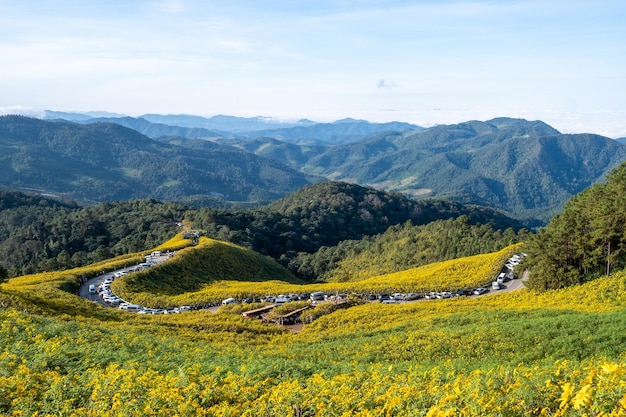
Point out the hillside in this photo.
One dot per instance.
(39, 234)
(520, 353)
(586, 240)
(404, 246)
(325, 214)
(526, 168)
(194, 269)
(106, 162)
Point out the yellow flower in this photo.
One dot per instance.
(565, 396)
(582, 397)
(610, 368)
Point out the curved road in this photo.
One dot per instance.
(83, 290)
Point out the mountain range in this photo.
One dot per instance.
(526, 169)
(106, 162)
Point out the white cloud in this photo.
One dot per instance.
(308, 58)
(21, 110)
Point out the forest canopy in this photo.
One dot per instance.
(586, 240)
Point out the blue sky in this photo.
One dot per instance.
(424, 62)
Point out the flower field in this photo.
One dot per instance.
(557, 353)
(451, 275)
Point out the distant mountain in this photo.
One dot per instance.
(221, 123)
(525, 168)
(156, 130)
(337, 133)
(522, 167)
(105, 162)
(76, 116)
(621, 140)
(289, 154)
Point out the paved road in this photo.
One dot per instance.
(511, 285)
(515, 284)
(83, 290)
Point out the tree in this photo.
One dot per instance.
(586, 240)
(4, 274)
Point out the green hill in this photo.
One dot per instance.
(586, 240)
(193, 268)
(106, 162)
(526, 168)
(39, 234)
(405, 246)
(324, 214)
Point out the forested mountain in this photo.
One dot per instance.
(586, 240)
(324, 214)
(237, 128)
(223, 123)
(290, 154)
(39, 234)
(336, 133)
(107, 162)
(402, 247)
(526, 168)
(156, 130)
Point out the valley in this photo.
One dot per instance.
(390, 338)
(526, 169)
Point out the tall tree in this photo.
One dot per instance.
(4, 274)
(586, 240)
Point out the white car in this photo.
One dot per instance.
(480, 291)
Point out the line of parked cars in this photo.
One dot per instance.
(107, 295)
(506, 274)
(104, 291)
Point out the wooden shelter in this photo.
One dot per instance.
(256, 313)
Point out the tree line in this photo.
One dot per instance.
(39, 234)
(586, 240)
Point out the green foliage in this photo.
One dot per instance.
(324, 214)
(43, 235)
(38, 234)
(101, 162)
(402, 247)
(193, 269)
(586, 240)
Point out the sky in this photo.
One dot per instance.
(425, 62)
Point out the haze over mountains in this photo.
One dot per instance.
(525, 168)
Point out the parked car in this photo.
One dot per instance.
(282, 299)
(480, 291)
(317, 296)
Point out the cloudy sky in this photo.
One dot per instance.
(425, 61)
